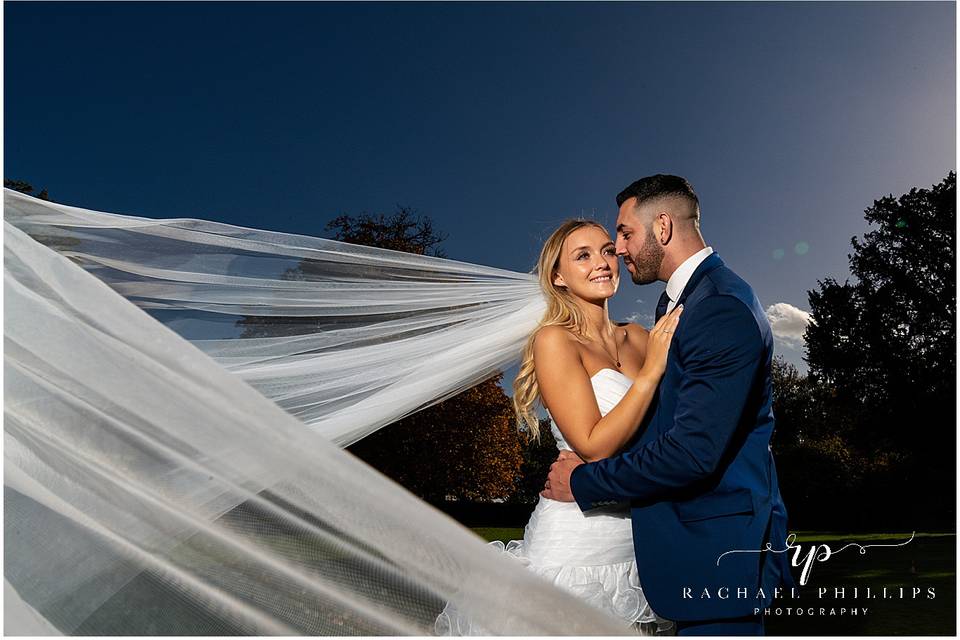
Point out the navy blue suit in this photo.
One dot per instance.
(700, 478)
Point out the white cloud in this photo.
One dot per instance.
(787, 321)
(788, 324)
(645, 319)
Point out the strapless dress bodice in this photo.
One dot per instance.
(609, 387)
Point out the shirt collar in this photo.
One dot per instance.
(681, 276)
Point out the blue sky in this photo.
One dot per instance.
(498, 120)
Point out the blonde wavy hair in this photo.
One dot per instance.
(561, 311)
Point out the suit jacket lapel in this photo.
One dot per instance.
(711, 262)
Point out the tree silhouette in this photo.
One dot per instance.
(403, 230)
(25, 187)
(881, 348)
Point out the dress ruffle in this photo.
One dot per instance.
(614, 588)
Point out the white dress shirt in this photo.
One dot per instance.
(682, 275)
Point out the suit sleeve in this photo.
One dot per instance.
(721, 351)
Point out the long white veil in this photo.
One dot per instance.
(149, 489)
(346, 338)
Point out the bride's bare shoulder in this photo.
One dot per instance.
(553, 343)
(553, 337)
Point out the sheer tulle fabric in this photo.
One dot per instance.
(344, 337)
(149, 490)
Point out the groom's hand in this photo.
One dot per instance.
(558, 482)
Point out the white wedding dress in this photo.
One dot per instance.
(587, 554)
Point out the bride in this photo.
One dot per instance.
(597, 379)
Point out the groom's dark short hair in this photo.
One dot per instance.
(659, 186)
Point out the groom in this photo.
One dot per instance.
(700, 478)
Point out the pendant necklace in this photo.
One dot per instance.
(615, 346)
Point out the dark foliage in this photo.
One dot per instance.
(25, 187)
(869, 435)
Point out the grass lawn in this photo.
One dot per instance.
(929, 561)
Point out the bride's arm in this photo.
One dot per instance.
(568, 395)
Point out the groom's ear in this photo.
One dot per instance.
(666, 228)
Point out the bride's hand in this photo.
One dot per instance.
(658, 343)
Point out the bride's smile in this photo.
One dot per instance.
(588, 267)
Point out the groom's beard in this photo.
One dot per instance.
(646, 263)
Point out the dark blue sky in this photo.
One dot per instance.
(498, 120)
